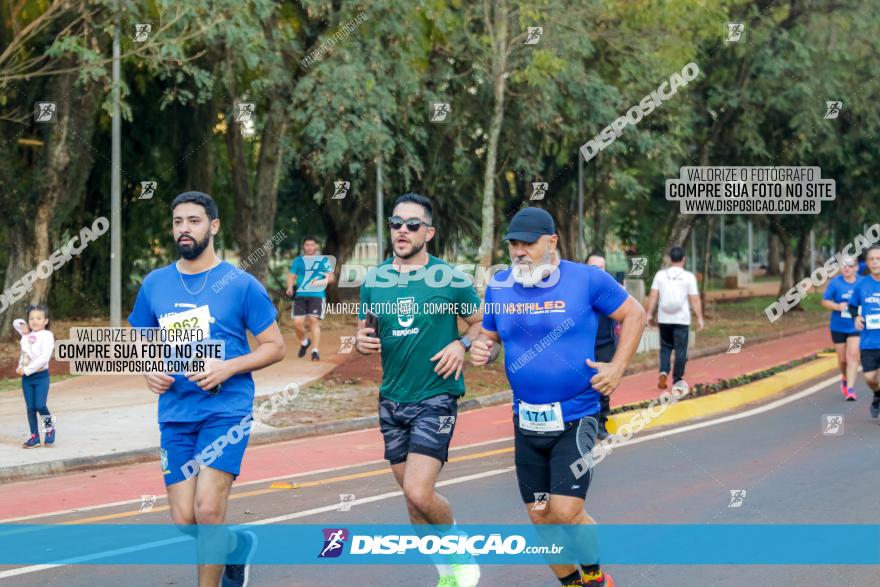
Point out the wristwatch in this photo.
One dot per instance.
(465, 342)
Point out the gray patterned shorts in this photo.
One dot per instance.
(423, 427)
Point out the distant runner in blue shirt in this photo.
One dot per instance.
(205, 418)
(310, 274)
(843, 331)
(867, 295)
(546, 312)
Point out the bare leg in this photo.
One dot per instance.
(840, 348)
(561, 509)
(852, 360)
(299, 328)
(211, 498)
(417, 477)
(315, 330)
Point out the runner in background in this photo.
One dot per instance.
(197, 410)
(606, 346)
(866, 295)
(310, 274)
(843, 331)
(676, 290)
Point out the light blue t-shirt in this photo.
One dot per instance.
(867, 295)
(241, 304)
(307, 269)
(839, 290)
(549, 332)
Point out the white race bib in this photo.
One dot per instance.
(195, 319)
(845, 313)
(541, 417)
(872, 322)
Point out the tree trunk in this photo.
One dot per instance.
(60, 176)
(255, 206)
(707, 259)
(499, 69)
(773, 254)
(787, 267)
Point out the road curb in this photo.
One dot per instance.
(696, 408)
(703, 407)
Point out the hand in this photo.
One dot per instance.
(19, 370)
(650, 320)
(215, 373)
(481, 352)
(860, 323)
(842, 306)
(290, 291)
(608, 377)
(450, 360)
(700, 324)
(367, 344)
(159, 382)
(319, 282)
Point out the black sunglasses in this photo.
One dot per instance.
(412, 224)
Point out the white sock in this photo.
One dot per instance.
(444, 570)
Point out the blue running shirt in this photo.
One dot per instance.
(240, 304)
(839, 290)
(867, 295)
(549, 332)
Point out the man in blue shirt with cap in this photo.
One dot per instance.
(545, 311)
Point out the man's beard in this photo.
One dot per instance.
(530, 275)
(190, 252)
(416, 249)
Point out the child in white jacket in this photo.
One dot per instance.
(37, 346)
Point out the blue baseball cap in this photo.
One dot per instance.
(530, 224)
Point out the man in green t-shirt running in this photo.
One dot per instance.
(417, 299)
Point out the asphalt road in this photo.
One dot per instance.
(792, 474)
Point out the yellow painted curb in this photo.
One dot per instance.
(725, 401)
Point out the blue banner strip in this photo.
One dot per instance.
(298, 544)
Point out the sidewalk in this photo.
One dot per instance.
(100, 417)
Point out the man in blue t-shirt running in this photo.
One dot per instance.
(205, 418)
(310, 274)
(867, 295)
(545, 312)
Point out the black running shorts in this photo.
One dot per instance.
(552, 464)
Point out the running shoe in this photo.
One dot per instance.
(843, 388)
(237, 575)
(315, 356)
(661, 382)
(466, 575)
(447, 581)
(34, 441)
(604, 581)
(850, 396)
(49, 432)
(875, 408)
(303, 348)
